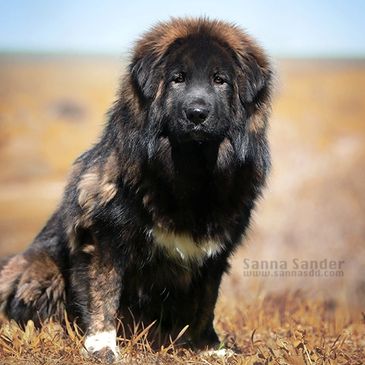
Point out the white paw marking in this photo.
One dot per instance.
(183, 247)
(219, 353)
(101, 340)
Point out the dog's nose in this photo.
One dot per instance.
(197, 114)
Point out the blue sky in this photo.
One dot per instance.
(286, 28)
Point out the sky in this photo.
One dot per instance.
(297, 28)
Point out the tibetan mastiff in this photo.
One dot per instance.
(152, 213)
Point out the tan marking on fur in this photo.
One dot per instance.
(110, 173)
(88, 190)
(257, 121)
(159, 90)
(97, 187)
(224, 153)
(182, 247)
(107, 192)
(161, 36)
(71, 234)
(146, 200)
(110, 170)
(89, 249)
(9, 275)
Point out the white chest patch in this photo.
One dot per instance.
(183, 247)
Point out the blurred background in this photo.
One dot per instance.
(60, 63)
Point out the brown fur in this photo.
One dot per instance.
(9, 274)
(97, 187)
(163, 35)
(104, 293)
(40, 284)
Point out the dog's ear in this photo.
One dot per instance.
(145, 75)
(254, 78)
(254, 84)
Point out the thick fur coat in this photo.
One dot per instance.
(153, 211)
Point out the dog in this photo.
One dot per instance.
(152, 212)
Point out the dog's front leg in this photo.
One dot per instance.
(104, 296)
(96, 289)
(202, 332)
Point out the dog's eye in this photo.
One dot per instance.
(218, 80)
(178, 78)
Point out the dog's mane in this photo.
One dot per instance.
(161, 36)
(142, 84)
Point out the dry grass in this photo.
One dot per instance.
(285, 329)
(51, 109)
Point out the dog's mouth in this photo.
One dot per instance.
(198, 133)
(188, 131)
(182, 130)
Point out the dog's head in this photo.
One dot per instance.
(202, 80)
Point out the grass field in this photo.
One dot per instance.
(52, 108)
(285, 329)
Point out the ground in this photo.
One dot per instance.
(282, 303)
(285, 329)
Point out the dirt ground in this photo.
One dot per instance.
(296, 292)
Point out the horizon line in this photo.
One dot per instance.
(127, 53)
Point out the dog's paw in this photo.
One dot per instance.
(106, 355)
(102, 346)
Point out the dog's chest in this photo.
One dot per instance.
(182, 247)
